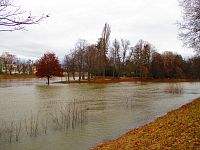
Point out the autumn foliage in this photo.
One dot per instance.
(48, 66)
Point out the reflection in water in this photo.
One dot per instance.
(49, 97)
(78, 116)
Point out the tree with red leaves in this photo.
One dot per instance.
(48, 66)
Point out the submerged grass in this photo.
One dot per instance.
(174, 89)
(73, 114)
(179, 129)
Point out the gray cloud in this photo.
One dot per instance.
(153, 21)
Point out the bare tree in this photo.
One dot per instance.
(90, 58)
(137, 57)
(1, 64)
(73, 65)
(168, 59)
(80, 47)
(195, 67)
(115, 56)
(13, 18)
(157, 65)
(19, 66)
(11, 63)
(30, 64)
(173, 65)
(190, 26)
(67, 64)
(102, 46)
(24, 67)
(178, 65)
(125, 48)
(142, 57)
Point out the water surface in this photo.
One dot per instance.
(112, 109)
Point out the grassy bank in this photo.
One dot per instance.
(16, 76)
(111, 80)
(178, 129)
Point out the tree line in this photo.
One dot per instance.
(114, 59)
(119, 58)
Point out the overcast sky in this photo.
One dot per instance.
(70, 20)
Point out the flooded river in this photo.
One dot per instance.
(34, 116)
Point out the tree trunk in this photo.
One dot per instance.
(113, 74)
(79, 78)
(68, 76)
(83, 75)
(6, 68)
(93, 76)
(73, 74)
(48, 80)
(104, 73)
(88, 76)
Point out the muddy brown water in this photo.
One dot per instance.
(109, 111)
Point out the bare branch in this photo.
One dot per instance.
(190, 27)
(12, 18)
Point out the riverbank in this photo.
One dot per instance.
(178, 129)
(117, 80)
(16, 76)
(103, 80)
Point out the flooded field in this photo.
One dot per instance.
(78, 116)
